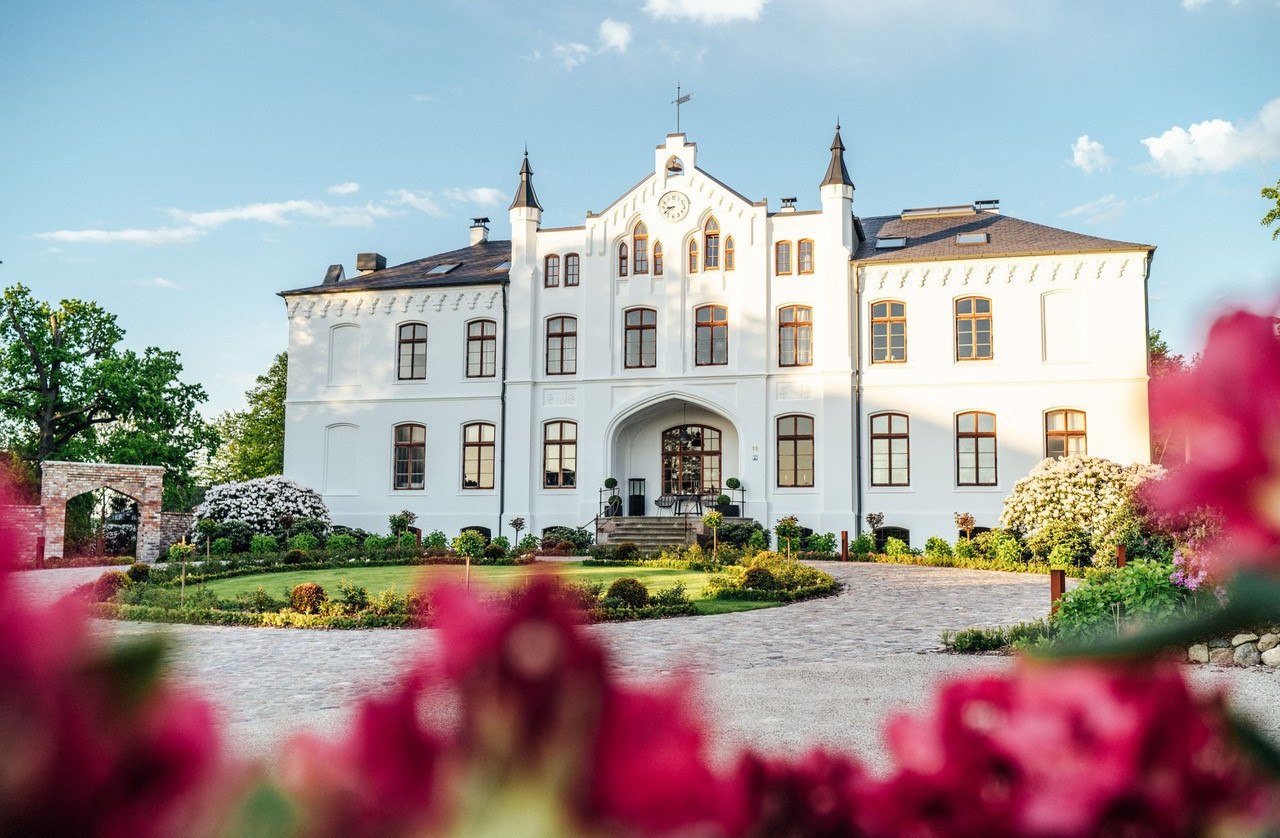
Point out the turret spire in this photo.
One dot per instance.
(525, 196)
(837, 174)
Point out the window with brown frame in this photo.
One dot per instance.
(804, 256)
(477, 455)
(690, 460)
(640, 344)
(572, 269)
(622, 259)
(560, 455)
(795, 451)
(693, 256)
(640, 248)
(482, 348)
(728, 253)
(657, 258)
(711, 241)
(1065, 433)
(888, 332)
(412, 349)
(975, 449)
(795, 336)
(890, 450)
(973, 329)
(562, 345)
(551, 271)
(711, 336)
(782, 258)
(410, 458)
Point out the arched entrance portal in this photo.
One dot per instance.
(60, 482)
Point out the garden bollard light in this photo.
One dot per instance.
(40, 552)
(844, 545)
(1120, 555)
(1057, 587)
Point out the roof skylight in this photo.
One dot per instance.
(505, 266)
(443, 269)
(890, 242)
(971, 238)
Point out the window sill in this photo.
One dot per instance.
(891, 490)
(979, 490)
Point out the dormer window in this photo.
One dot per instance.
(675, 167)
(640, 244)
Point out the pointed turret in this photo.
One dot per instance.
(837, 174)
(525, 196)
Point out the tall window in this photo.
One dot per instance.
(795, 336)
(657, 258)
(973, 329)
(477, 455)
(711, 336)
(888, 332)
(1064, 433)
(410, 456)
(551, 271)
(482, 348)
(560, 455)
(782, 258)
(795, 451)
(693, 256)
(572, 267)
(622, 259)
(728, 253)
(804, 256)
(711, 251)
(412, 346)
(690, 460)
(890, 450)
(640, 241)
(640, 344)
(976, 449)
(562, 345)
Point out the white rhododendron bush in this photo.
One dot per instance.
(1089, 493)
(261, 503)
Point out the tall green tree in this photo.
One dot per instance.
(253, 439)
(1272, 193)
(69, 391)
(1167, 449)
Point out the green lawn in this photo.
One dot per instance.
(408, 577)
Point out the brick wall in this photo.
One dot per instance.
(173, 527)
(26, 523)
(61, 481)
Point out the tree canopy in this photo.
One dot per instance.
(1272, 193)
(253, 439)
(69, 391)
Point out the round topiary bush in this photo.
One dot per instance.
(304, 541)
(221, 547)
(139, 572)
(760, 579)
(106, 586)
(627, 551)
(628, 591)
(495, 551)
(307, 598)
(342, 543)
(294, 557)
(262, 503)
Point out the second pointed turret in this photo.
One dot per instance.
(525, 196)
(837, 174)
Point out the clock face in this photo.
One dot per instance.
(673, 206)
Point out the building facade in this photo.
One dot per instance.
(914, 365)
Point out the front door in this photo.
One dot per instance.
(690, 460)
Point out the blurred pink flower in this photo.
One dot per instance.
(819, 796)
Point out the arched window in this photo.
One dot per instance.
(572, 267)
(973, 329)
(551, 271)
(410, 459)
(690, 460)
(795, 451)
(412, 352)
(693, 256)
(562, 345)
(477, 455)
(885, 533)
(888, 332)
(1065, 433)
(622, 259)
(975, 449)
(711, 336)
(640, 344)
(782, 258)
(890, 450)
(640, 245)
(657, 258)
(711, 240)
(482, 348)
(795, 336)
(560, 455)
(728, 253)
(804, 256)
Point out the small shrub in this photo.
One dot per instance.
(304, 541)
(311, 526)
(221, 547)
(240, 533)
(863, 545)
(822, 543)
(264, 544)
(627, 551)
(896, 547)
(528, 544)
(503, 542)
(408, 542)
(139, 572)
(580, 539)
(965, 549)
(259, 601)
(628, 591)
(342, 543)
(1003, 546)
(469, 543)
(758, 541)
(1071, 544)
(436, 540)
(294, 557)
(307, 597)
(494, 551)
(388, 602)
(937, 547)
(738, 534)
(759, 579)
(106, 586)
(354, 597)
(677, 594)
(376, 544)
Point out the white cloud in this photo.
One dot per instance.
(615, 35)
(427, 98)
(1088, 155)
(279, 212)
(485, 196)
(418, 200)
(705, 11)
(1194, 4)
(157, 282)
(348, 188)
(572, 54)
(163, 235)
(1095, 212)
(1217, 145)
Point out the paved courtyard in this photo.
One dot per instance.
(828, 671)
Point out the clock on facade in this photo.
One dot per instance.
(673, 206)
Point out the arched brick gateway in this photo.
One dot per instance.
(61, 481)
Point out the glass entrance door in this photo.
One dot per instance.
(690, 460)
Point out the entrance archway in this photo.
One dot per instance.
(61, 481)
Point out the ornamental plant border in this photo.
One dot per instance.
(274, 566)
(970, 564)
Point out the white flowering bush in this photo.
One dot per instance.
(261, 503)
(1088, 493)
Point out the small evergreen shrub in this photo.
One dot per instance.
(264, 544)
(240, 533)
(822, 543)
(759, 579)
(503, 542)
(138, 572)
(294, 557)
(627, 551)
(677, 594)
(342, 543)
(408, 541)
(1072, 544)
(304, 541)
(221, 547)
(896, 547)
(937, 547)
(354, 597)
(528, 544)
(863, 545)
(436, 540)
(307, 597)
(758, 541)
(181, 552)
(580, 539)
(738, 534)
(494, 551)
(966, 549)
(628, 591)
(106, 586)
(377, 543)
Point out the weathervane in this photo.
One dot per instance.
(678, 101)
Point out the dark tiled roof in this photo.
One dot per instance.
(475, 267)
(934, 239)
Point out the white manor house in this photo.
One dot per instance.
(833, 365)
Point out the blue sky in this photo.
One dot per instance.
(182, 162)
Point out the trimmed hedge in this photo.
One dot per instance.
(270, 619)
(971, 564)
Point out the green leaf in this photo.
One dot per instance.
(266, 812)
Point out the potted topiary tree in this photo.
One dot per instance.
(610, 483)
(726, 507)
(613, 506)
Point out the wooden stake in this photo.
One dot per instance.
(1057, 587)
(844, 545)
(1120, 555)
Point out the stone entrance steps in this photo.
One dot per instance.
(650, 532)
